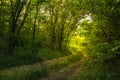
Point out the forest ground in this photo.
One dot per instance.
(80, 65)
(64, 68)
(69, 72)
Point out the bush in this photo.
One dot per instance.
(47, 54)
(3, 46)
(19, 57)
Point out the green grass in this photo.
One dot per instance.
(48, 54)
(7, 61)
(92, 71)
(96, 69)
(69, 60)
(36, 71)
(32, 74)
(23, 56)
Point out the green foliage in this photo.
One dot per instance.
(43, 27)
(69, 60)
(3, 46)
(21, 58)
(100, 47)
(47, 54)
(36, 73)
(93, 69)
(32, 74)
(115, 48)
(24, 56)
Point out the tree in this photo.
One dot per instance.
(62, 20)
(108, 13)
(17, 8)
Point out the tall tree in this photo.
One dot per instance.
(17, 8)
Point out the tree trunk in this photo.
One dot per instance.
(60, 39)
(53, 19)
(16, 10)
(12, 37)
(34, 28)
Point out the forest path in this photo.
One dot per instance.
(69, 72)
(64, 68)
(25, 68)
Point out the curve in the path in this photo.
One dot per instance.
(68, 72)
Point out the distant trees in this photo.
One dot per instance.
(62, 20)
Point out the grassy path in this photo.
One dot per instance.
(69, 72)
(35, 71)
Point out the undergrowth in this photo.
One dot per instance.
(104, 63)
(23, 56)
(35, 72)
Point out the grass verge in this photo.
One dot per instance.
(33, 72)
(96, 69)
(23, 56)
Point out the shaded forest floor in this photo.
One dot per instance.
(78, 66)
(56, 69)
(69, 72)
